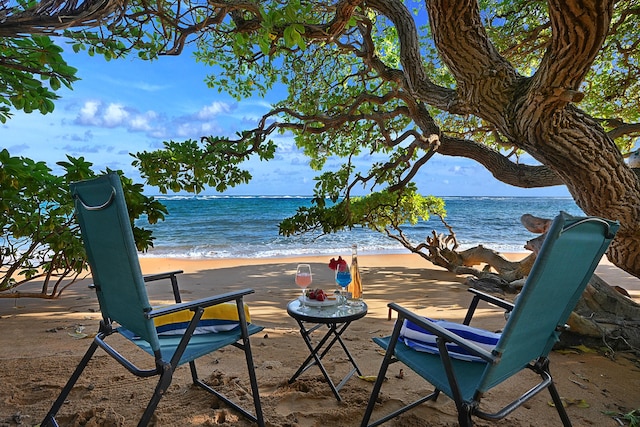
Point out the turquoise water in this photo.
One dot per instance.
(247, 227)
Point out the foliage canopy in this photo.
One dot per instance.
(39, 237)
(403, 80)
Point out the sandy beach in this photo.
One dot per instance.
(38, 352)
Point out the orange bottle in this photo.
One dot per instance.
(355, 287)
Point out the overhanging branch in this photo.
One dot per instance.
(503, 169)
(50, 16)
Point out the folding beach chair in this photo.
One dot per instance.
(466, 368)
(120, 286)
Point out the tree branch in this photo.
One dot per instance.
(622, 129)
(49, 16)
(579, 29)
(503, 169)
(417, 80)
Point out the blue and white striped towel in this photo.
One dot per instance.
(420, 339)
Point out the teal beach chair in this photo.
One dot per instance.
(120, 286)
(568, 257)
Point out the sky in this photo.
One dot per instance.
(129, 105)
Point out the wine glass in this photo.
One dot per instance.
(343, 278)
(303, 279)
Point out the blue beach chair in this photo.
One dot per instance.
(120, 286)
(569, 255)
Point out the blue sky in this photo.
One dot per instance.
(126, 106)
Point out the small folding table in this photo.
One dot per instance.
(337, 320)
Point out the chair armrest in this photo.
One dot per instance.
(202, 302)
(492, 300)
(153, 277)
(159, 276)
(443, 333)
(167, 275)
(479, 295)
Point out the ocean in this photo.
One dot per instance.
(247, 227)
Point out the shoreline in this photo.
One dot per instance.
(300, 253)
(413, 260)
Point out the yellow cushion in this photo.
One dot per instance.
(216, 318)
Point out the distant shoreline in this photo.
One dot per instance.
(364, 261)
(515, 253)
(297, 196)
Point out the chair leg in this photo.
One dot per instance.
(555, 396)
(376, 389)
(258, 418)
(49, 419)
(464, 415)
(374, 396)
(542, 364)
(166, 376)
(386, 361)
(253, 379)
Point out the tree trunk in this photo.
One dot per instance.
(538, 113)
(604, 317)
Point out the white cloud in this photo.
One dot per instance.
(115, 115)
(287, 146)
(143, 122)
(464, 170)
(79, 150)
(87, 114)
(209, 111)
(149, 88)
(159, 133)
(94, 113)
(186, 129)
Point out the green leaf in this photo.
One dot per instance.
(54, 83)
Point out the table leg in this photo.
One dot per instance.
(315, 358)
(348, 353)
(308, 363)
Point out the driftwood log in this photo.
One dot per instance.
(496, 273)
(605, 317)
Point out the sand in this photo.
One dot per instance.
(38, 353)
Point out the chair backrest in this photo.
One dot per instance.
(569, 255)
(108, 239)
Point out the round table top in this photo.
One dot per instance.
(326, 313)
